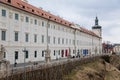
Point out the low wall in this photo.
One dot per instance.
(49, 71)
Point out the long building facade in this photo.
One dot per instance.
(24, 27)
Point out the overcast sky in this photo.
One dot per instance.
(83, 12)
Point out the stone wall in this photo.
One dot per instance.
(48, 71)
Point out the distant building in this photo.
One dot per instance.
(23, 26)
(107, 48)
(116, 48)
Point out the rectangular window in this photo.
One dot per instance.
(26, 54)
(48, 25)
(26, 37)
(3, 35)
(35, 38)
(27, 19)
(74, 51)
(16, 55)
(48, 39)
(42, 53)
(58, 40)
(16, 16)
(16, 36)
(35, 54)
(35, 22)
(42, 38)
(59, 52)
(54, 27)
(4, 54)
(53, 40)
(63, 41)
(54, 52)
(3, 12)
(43, 24)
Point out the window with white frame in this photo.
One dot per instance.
(35, 21)
(62, 40)
(27, 19)
(16, 16)
(26, 37)
(35, 38)
(43, 53)
(42, 38)
(43, 24)
(16, 55)
(4, 54)
(3, 12)
(53, 40)
(58, 40)
(16, 36)
(35, 54)
(26, 54)
(3, 35)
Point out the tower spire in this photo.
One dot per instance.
(96, 21)
(96, 28)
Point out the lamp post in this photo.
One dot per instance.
(24, 50)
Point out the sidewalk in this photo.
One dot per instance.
(20, 65)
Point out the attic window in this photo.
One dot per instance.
(55, 19)
(61, 21)
(23, 7)
(42, 14)
(32, 10)
(49, 16)
(9, 1)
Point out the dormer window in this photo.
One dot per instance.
(42, 14)
(49, 16)
(9, 1)
(32, 10)
(23, 7)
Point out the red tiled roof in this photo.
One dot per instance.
(88, 31)
(37, 11)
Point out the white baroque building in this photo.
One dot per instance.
(23, 26)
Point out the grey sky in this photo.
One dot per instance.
(83, 12)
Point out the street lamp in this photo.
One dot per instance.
(24, 50)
